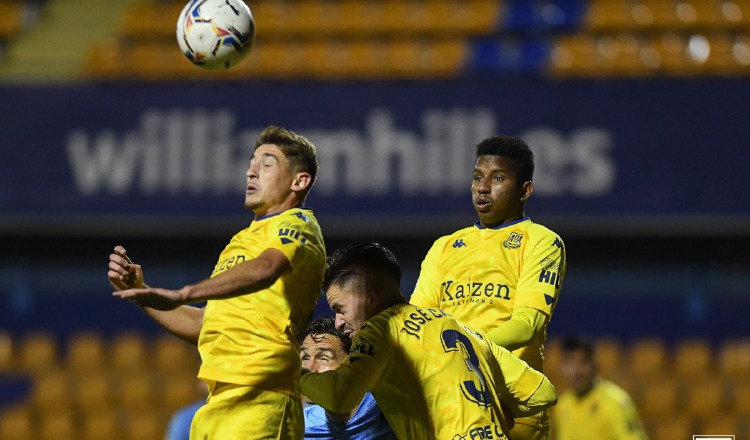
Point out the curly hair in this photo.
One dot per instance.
(326, 326)
(514, 149)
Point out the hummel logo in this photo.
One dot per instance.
(459, 243)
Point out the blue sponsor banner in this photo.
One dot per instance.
(394, 155)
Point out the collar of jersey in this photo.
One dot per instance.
(306, 208)
(504, 225)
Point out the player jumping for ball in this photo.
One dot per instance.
(260, 297)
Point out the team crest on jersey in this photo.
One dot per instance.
(513, 241)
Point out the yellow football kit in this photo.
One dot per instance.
(481, 275)
(432, 377)
(252, 340)
(606, 412)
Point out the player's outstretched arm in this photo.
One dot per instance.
(184, 322)
(341, 390)
(523, 326)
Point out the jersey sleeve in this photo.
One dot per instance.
(427, 291)
(520, 388)
(542, 271)
(289, 234)
(341, 390)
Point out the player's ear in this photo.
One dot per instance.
(526, 190)
(302, 181)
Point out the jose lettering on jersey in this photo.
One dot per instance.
(413, 324)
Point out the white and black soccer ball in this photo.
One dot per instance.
(215, 34)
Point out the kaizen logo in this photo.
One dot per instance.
(459, 243)
(513, 241)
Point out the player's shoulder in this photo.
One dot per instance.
(297, 216)
(539, 229)
(613, 393)
(611, 396)
(566, 399)
(454, 237)
(538, 233)
(386, 321)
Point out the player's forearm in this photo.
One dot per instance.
(184, 322)
(336, 391)
(523, 326)
(250, 276)
(544, 397)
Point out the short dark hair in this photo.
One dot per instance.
(515, 149)
(300, 152)
(327, 326)
(366, 254)
(571, 343)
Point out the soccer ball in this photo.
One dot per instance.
(215, 34)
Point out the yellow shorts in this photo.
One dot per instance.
(536, 427)
(236, 412)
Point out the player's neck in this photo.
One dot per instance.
(278, 208)
(504, 221)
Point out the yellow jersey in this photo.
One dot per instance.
(606, 412)
(432, 377)
(480, 275)
(253, 339)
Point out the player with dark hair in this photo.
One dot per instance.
(324, 348)
(594, 407)
(503, 274)
(260, 296)
(432, 376)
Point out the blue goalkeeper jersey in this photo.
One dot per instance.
(368, 423)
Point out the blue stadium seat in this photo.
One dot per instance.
(551, 15)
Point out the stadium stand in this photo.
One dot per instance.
(122, 401)
(447, 38)
(393, 39)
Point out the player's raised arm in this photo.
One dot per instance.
(247, 277)
(184, 322)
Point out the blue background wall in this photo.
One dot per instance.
(645, 180)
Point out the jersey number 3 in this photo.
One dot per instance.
(474, 392)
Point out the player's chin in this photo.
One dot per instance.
(251, 203)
